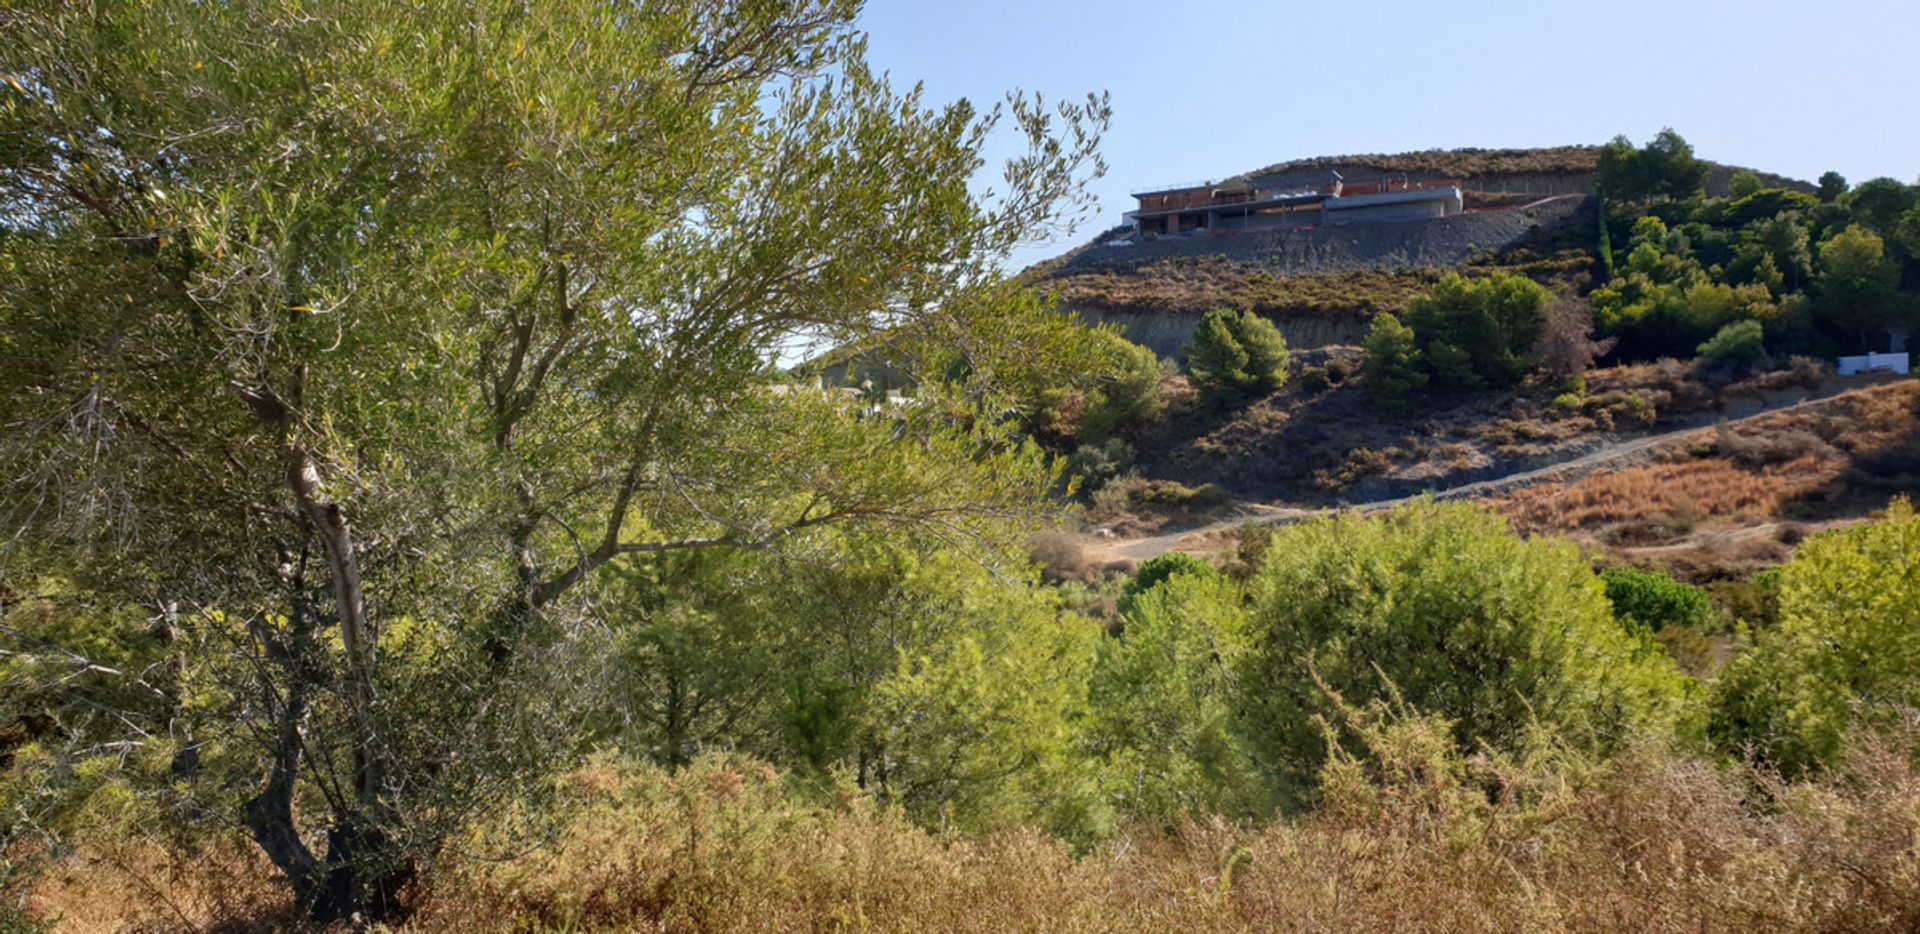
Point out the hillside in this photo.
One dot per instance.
(1529, 211)
(1625, 460)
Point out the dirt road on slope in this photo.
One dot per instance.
(1209, 537)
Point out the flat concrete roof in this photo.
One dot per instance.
(1393, 197)
(1280, 199)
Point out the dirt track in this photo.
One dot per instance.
(1206, 538)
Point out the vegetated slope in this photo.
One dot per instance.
(1494, 169)
(1706, 502)
(1529, 212)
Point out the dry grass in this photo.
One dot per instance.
(122, 885)
(1649, 842)
(1671, 387)
(1461, 163)
(1701, 488)
(1196, 284)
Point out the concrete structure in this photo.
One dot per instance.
(1875, 363)
(1242, 204)
(1387, 206)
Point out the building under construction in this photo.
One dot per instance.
(1241, 204)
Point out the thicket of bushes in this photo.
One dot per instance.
(1356, 672)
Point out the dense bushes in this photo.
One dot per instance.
(1739, 347)
(1846, 651)
(1820, 274)
(1445, 609)
(1443, 694)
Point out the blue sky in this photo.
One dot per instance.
(1205, 89)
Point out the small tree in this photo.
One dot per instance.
(1744, 184)
(1128, 396)
(1480, 331)
(1832, 186)
(1879, 202)
(1162, 699)
(1392, 363)
(1235, 354)
(1664, 168)
(1266, 348)
(1856, 288)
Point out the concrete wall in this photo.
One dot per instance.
(1387, 213)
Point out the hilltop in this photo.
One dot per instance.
(1527, 211)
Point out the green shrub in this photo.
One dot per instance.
(1739, 346)
(1691, 649)
(1569, 403)
(1755, 602)
(1165, 567)
(1005, 684)
(1315, 379)
(1649, 600)
(1511, 640)
(1096, 465)
(1179, 495)
(1846, 651)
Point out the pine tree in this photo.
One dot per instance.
(1266, 351)
(1392, 363)
(1216, 363)
(1235, 354)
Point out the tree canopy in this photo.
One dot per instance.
(364, 338)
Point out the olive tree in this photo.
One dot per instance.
(355, 339)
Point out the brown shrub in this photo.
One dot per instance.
(1767, 449)
(1710, 487)
(1414, 839)
(1669, 386)
(1799, 373)
(1059, 556)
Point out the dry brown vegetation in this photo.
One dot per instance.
(1693, 489)
(1729, 501)
(1421, 841)
(1197, 284)
(1460, 163)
